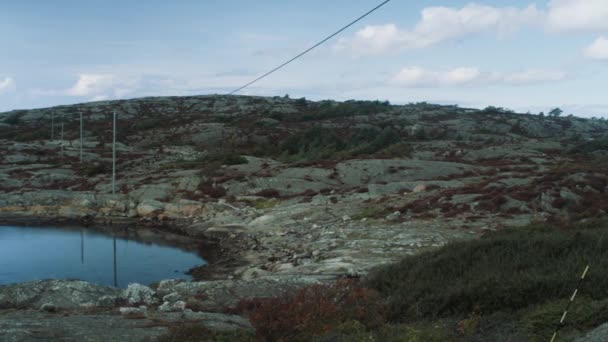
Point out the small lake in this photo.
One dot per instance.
(113, 259)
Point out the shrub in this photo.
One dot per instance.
(92, 169)
(190, 332)
(323, 143)
(313, 311)
(541, 320)
(314, 143)
(590, 146)
(507, 270)
(226, 158)
(13, 119)
(211, 190)
(269, 193)
(150, 123)
(265, 203)
(30, 134)
(208, 163)
(371, 212)
(331, 109)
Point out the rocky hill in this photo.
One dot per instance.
(297, 192)
(320, 186)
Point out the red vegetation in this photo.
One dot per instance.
(268, 193)
(213, 191)
(313, 311)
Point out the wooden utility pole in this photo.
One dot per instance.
(52, 127)
(61, 138)
(81, 142)
(114, 154)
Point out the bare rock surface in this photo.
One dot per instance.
(63, 294)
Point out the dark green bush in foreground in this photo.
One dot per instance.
(505, 271)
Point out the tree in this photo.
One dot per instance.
(301, 102)
(555, 112)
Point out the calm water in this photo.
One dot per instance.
(32, 253)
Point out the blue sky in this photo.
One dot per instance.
(517, 54)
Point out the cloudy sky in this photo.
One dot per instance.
(516, 54)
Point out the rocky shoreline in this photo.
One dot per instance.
(48, 309)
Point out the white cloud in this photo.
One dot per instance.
(438, 24)
(416, 77)
(533, 76)
(577, 15)
(420, 77)
(7, 85)
(598, 49)
(103, 86)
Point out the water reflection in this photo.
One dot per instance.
(31, 253)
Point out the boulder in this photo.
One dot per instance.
(139, 294)
(172, 297)
(129, 311)
(253, 273)
(48, 307)
(106, 301)
(149, 208)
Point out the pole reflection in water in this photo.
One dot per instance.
(115, 274)
(33, 253)
(82, 247)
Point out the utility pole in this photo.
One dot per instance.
(61, 138)
(114, 154)
(81, 143)
(52, 127)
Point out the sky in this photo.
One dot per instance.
(526, 56)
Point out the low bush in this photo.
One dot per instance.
(210, 162)
(92, 169)
(269, 193)
(590, 146)
(507, 270)
(313, 311)
(319, 143)
(150, 123)
(226, 158)
(211, 190)
(13, 119)
(265, 203)
(540, 321)
(191, 332)
(331, 110)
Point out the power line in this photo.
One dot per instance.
(312, 47)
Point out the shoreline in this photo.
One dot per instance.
(222, 258)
